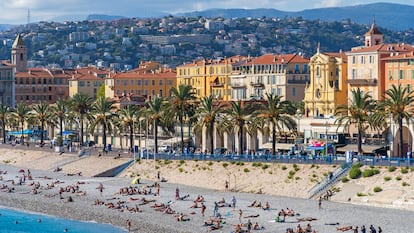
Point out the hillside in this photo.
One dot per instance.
(388, 15)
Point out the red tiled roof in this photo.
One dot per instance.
(384, 48)
(373, 30)
(407, 55)
(165, 74)
(339, 55)
(268, 59)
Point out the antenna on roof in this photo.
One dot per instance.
(28, 18)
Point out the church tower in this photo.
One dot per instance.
(19, 54)
(373, 36)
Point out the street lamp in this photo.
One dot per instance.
(298, 115)
(326, 135)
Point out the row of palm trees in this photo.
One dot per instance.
(364, 112)
(271, 115)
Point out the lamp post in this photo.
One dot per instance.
(298, 115)
(326, 135)
(133, 144)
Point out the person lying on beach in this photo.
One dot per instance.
(145, 201)
(258, 205)
(252, 216)
(306, 219)
(257, 227)
(216, 226)
(156, 205)
(99, 202)
(222, 201)
(253, 204)
(184, 197)
(344, 228)
(168, 210)
(181, 218)
(195, 205)
(290, 212)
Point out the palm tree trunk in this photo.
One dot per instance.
(241, 138)
(156, 136)
(211, 129)
(3, 125)
(273, 139)
(104, 136)
(359, 140)
(22, 136)
(42, 126)
(400, 132)
(81, 121)
(61, 126)
(131, 139)
(182, 134)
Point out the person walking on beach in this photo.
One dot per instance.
(158, 189)
(203, 208)
(215, 210)
(240, 214)
(177, 193)
(233, 202)
(128, 222)
(320, 202)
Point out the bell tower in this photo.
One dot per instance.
(373, 36)
(19, 54)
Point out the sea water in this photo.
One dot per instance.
(12, 221)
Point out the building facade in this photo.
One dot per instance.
(327, 86)
(208, 77)
(284, 75)
(150, 79)
(87, 80)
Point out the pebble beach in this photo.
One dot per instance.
(326, 219)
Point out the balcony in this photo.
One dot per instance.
(362, 82)
(297, 81)
(238, 85)
(257, 84)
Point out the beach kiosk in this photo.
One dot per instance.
(318, 149)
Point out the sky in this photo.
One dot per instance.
(16, 11)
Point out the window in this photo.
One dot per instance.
(354, 74)
(401, 74)
(294, 91)
(318, 72)
(160, 82)
(371, 59)
(353, 60)
(160, 93)
(412, 74)
(362, 60)
(305, 68)
(153, 82)
(409, 87)
(139, 82)
(390, 75)
(279, 91)
(297, 68)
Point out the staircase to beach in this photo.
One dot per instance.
(323, 186)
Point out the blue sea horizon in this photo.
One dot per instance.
(18, 221)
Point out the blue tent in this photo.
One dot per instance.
(25, 132)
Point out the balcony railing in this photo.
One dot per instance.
(362, 82)
(297, 81)
(214, 84)
(238, 85)
(257, 84)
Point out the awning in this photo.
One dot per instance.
(365, 148)
(25, 132)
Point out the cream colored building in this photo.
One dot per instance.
(87, 80)
(327, 86)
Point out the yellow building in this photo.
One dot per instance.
(327, 86)
(148, 80)
(87, 80)
(208, 77)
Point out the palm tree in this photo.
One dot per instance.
(398, 103)
(154, 111)
(102, 110)
(127, 118)
(358, 111)
(41, 112)
(21, 113)
(207, 115)
(239, 114)
(61, 110)
(276, 113)
(4, 114)
(181, 106)
(81, 104)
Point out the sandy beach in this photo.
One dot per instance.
(390, 209)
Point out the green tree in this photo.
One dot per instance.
(41, 113)
(103, 111)
(81, 104)
(128, 116)
(61, 110)
(154, 111)
(239, 114)
(101, 91)
(22, 114)
(276, 113)
(206, 114)
(357, 112)
(181, 106)
(4, 115)
(398, 102)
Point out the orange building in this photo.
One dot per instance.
(87, 80)
(399, 70)
(42, 85)
(148, 80)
